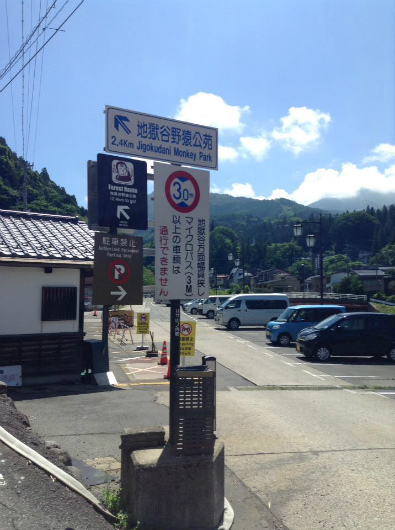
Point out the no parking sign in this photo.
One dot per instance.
(187, 339)
(181, 232)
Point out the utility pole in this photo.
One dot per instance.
(24, 185)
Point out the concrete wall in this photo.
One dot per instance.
(20, 295)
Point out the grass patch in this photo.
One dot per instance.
(382, 308)
(112, 502)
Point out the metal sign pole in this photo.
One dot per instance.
(174, 359)
(105, 317)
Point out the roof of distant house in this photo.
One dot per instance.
(368, 273)
(38, 237)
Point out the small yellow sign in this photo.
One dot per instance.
(143, 323)
(187, 339)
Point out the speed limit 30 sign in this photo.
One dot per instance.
(182, 191)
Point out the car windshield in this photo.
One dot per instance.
(325, 324)
(286, 315)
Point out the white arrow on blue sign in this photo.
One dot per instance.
(146, 136)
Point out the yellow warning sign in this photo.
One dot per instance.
(143, 323)
(187, 339)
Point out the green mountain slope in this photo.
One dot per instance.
(43, 195)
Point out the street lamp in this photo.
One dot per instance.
(311, 240)
(213, 273)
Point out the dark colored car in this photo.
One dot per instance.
(359, 334)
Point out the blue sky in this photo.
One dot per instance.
(302, 91)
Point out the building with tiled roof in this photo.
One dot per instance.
(44, 261)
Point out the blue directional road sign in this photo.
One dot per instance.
(122, 191)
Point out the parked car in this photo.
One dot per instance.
(251, 309)
(370, 334)
(211, 303)
(286, 327)
(192, 307)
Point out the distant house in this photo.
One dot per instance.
(372, 280)
(44, 260)
(276, 281)
(334, 279)
(236, 276)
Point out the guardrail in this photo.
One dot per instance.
(330, 296)
(381, 302)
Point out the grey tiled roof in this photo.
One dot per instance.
(44, 236)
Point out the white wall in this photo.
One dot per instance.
(20, 299)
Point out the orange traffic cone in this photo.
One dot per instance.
(163, 355)
(167, 376)
(95, 312)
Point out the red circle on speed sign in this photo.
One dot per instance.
(119, 271)
(182, 191)
(186, 329)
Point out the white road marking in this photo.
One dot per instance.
(357, 376)
(292, 364)
(251, 346)
(314, 375)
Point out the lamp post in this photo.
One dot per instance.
(213, 273)
(311, 240)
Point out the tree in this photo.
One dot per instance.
(223, 240)
(384, 258)
(282, 255)
(354, 231)
(301, 269)
(349, 285)
(148, 277)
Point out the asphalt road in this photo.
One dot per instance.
(303, 447)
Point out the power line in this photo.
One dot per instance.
(12, 92)
(24, 44)
(17, 58)
(46, 42)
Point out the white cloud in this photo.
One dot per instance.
(241, 190)
(301, 129)
(258, 147)
(227, 153)
(344, 183)
(211, 110)
(382, 153)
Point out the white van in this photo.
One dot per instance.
(251, 309)
(192, 307)
(209, 306)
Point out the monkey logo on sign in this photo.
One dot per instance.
(119, 271)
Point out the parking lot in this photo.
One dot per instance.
(365, 373)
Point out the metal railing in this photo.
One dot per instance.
(330, 296)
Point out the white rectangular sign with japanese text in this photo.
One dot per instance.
(182, 217)
(136, 134)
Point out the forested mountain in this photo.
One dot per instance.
(259, 230)
(363, 199)
(43, 195)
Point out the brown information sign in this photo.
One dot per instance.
(118, 270)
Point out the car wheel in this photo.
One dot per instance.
(210, 314)
(322, 353)
(194, 311)
(233, 323)
(284, 339)
(391, 354)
